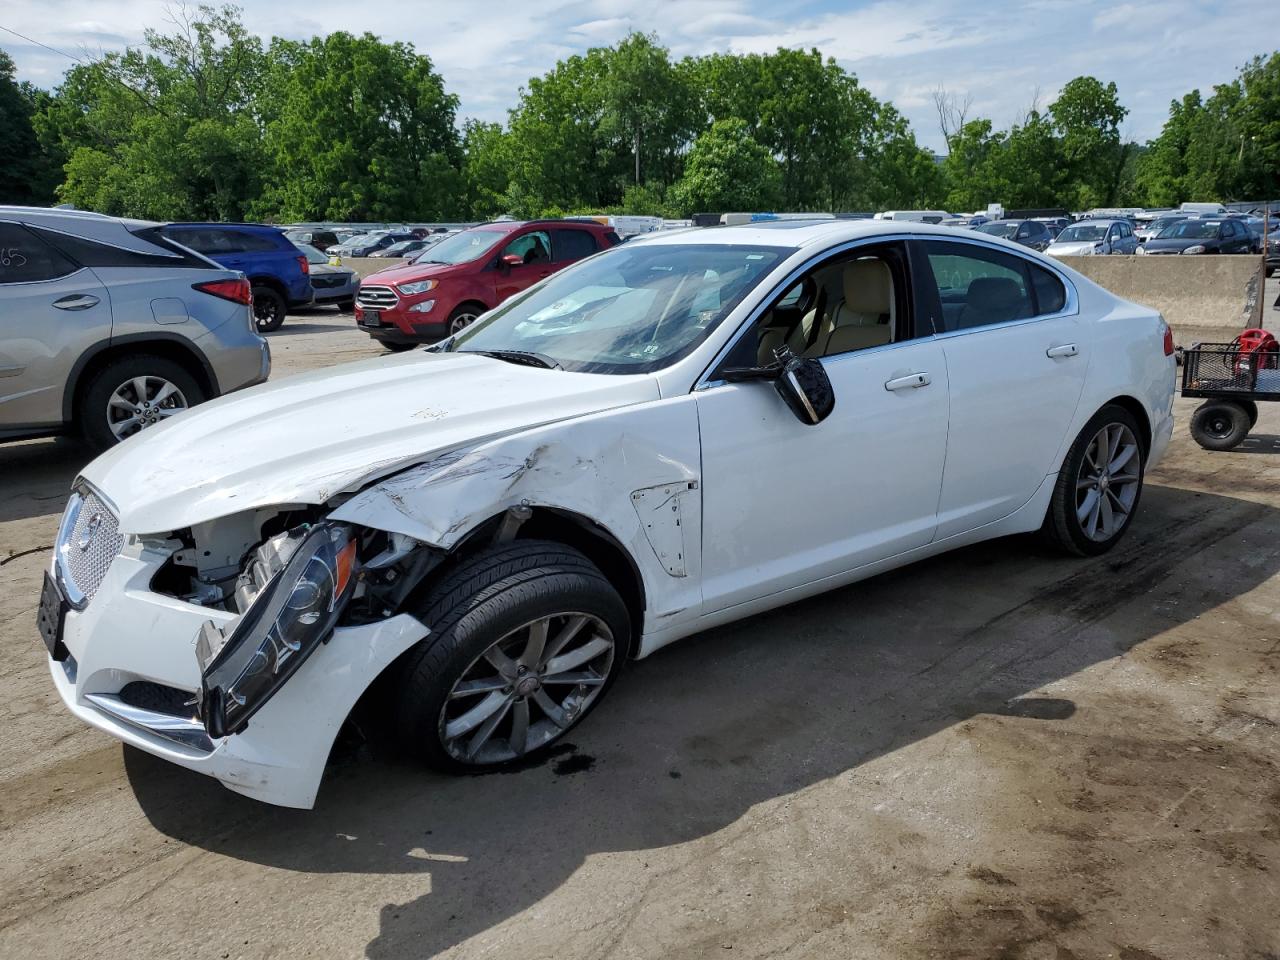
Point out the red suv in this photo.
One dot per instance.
(462, 276)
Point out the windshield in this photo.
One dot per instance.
(462, 247)
(1190, 230)
(1083, 233)
(1006, 230)
(632, 309)
(313, 255)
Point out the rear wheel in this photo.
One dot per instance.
(129, 395)
(1099, 485)
(1221, 424)
(269, 309)
(527, 638)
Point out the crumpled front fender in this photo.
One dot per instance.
(633, 471)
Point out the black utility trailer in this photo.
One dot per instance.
(1232, 381)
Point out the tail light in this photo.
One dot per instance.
(304, 265)
(1168, 341)
(237, 291)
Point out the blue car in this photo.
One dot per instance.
(277, 270)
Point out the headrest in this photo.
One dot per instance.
(868, 287)
(998, 298)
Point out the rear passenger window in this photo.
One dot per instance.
(979, 287)
(571, 245)
(25, 258)
(253, 242)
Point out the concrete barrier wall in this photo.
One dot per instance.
(1202, 297)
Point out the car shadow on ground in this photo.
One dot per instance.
(1259, 443)
(293, 327)
(693, 737)
(36, 476)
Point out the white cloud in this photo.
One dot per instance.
(1001, 51)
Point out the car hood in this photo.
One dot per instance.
(1169, 246)
(1072, 248)
(407, 273)
(328, 269)
(308, 437)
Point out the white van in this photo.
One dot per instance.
(916, 216)
(1203, 209)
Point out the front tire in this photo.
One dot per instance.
(463, 316)
(131, 394)
(396, 346)
(1099, 485)
(527, 638)
(269, 309)
(1221, 424)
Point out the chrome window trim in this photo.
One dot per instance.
(1071, 306)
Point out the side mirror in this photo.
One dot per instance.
(510, 260)
(801, 383)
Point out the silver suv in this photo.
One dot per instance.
(106, 327)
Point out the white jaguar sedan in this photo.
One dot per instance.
(670, 435)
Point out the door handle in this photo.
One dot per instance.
(1063, 350)
(76, 301)
(912, 381)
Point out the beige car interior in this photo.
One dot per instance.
(853, 309)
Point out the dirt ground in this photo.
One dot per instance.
(995, 754)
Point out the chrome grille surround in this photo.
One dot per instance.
(377, 297)
(88, 541)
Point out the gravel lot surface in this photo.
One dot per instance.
(996, 753)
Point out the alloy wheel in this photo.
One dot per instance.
(265, 312)
(141, 402)
(1108, 482)
(527, 688)
(461, 322)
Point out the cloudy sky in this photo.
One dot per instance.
(1002, 52)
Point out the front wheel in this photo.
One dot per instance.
(1221, 424)
(528, 637)
(463, 316)
(1099, 485)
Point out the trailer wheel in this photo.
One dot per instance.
(1220, 424)
(1251, 409)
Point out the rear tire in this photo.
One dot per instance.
(1097, 493)
(1221, 424)
(100, 413)
(483, 616)
(269, 309)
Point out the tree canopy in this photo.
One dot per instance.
(204, 121)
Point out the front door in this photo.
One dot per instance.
(51, 311)
(786, 504)
(1016, 354)
(534, 250)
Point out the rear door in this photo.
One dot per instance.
(51, 311)
(570, 244)
(1016, 355)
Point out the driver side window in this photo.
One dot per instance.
(532, 247)
(853, 302)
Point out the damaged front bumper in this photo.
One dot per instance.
(128, 634)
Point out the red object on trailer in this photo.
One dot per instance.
(1256, 349)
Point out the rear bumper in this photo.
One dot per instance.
(280, 757)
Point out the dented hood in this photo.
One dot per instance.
(305, 438)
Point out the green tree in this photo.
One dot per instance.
(645, 105)
(165, 132)
(726, 171)
(1087, 117)
(359, 129)
(28, 172)
(486, 169)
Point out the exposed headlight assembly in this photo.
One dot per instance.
(415, 288)
(296, 586)
(1198, 248)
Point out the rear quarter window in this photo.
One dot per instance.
(25, 258)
